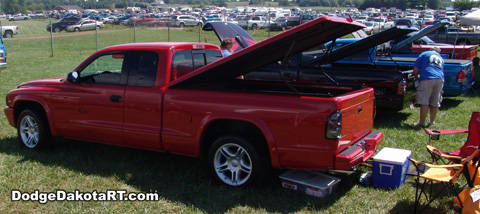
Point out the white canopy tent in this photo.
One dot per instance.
(472, 18)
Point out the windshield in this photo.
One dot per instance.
(368, 24)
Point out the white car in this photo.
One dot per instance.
(85, 25)
(110, 20)
(372, 27)
(18, 17)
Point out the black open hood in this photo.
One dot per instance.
(274, 49)
(363, 44)
(241, 38)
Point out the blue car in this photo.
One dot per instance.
(3, 54)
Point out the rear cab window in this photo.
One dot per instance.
(184, 62)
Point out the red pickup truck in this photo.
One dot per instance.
(142, 19)
(184, 98)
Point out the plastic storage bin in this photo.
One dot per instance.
(311, 183)
(390, 167)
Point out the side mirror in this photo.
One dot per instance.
(72, 76)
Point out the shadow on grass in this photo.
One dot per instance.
(386, 118)
(176, 178)
(444, 196)
(389, 119)
(449, 103)
(427, 210)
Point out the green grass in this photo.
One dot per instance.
(183, 183)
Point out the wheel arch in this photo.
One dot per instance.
(38, 106)
(258, 132)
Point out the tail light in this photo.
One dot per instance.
(402, 86)
(2, 56)
(461, 76)
(334, 126)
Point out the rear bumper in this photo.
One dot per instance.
(359, 152)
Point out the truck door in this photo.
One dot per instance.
(143, 101)
(92, 108)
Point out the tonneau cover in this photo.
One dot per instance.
(241, 38)
(363, 44)
(293, 41)
(419, 35)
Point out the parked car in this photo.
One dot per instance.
(458, 73)
(407, 22)
(3, 55)
(454, 35)
(412, 44)
(184, 21)
(287, 22)
(18, 17)
(253, 22)
(9, 30)
(56, 27)
(372, 27)
(85, 25)
(141, 19)
(162, 21)
(109, 20)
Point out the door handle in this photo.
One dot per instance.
(115, 99)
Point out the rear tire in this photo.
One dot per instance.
(235, 162)
(8, 34)
(33, 131)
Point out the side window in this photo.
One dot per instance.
(182, 64)
(143, 69)
(105, 69)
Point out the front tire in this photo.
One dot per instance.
(33, 131)
(235, 162)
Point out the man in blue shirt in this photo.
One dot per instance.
(226, 47)
(428, 70)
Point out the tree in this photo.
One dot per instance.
(283, 3)
(433, 4)
(14, 6)
(464, 4)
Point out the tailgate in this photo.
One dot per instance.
(357, 142)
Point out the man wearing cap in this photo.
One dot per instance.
(428, 70)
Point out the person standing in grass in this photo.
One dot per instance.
(428, 70)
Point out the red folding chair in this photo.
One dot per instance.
(472, 143)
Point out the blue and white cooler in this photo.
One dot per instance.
(390, 167)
